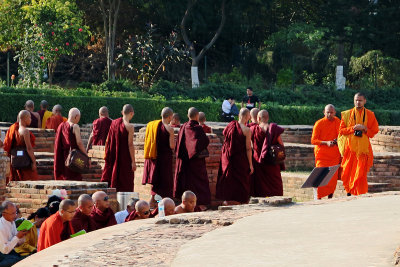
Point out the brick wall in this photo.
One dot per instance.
(387, 139)
(4, 169)
(299, 156)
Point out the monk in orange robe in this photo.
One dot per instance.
(120, 163)
(357, 126)
(18, 135)
(101, 126)
(326, 151)
(58, 226)
(102, 214)
(202, 121)
(56, 118)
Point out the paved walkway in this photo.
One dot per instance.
(363, 232)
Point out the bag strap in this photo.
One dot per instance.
(72, 132)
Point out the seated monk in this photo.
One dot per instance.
(188, 203)
(68, 137)
(253, 115)
(123, 214)
(58, 226)
(101, 126)
(169, 208)
(82, 219)
(18, 135)
(35, 117)
(44, 113)
(142, 211)
(236, 164)
(56, 118)
(102, 214)
(202, 121)
(175, 121)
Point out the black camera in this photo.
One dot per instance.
(335, 141)
(358, 133)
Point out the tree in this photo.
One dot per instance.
(197, 57)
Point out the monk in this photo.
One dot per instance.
(18, 135)
(101, 126)
(123, 214)
(253, 115)
(236, 164)
(159, 143)
(267, 179)
(82, 219)
(68, 137)
(169, 208)
(44, 113)
(35, 117)
(202, 121)
(188, 203)
(120, 163)
(357, 126)
(142, 211)
(326, 151)
(102, 214)
(190, 171)
(176, 121)
(58, 226)
(56, 118)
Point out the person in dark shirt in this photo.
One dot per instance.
(250, 100)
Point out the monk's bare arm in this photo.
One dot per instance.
(89, 142)
(29, 148)
(171, 137)
(131, 134)
(280, 140)
(77, 132)
(247, 133)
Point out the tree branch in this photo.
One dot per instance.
(190, 5)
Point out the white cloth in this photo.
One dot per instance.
(8, 236)
(226, 107)
(121, 216)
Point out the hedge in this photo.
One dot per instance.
(149, 109)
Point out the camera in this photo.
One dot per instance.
(358, 133)
(335, 141)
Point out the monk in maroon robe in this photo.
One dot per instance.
(236, 164)
(267, 177)
(158, 171)
(101, 126)
(176, 121)
(82, 219)
(202, 121)
(191, 172)
(102, 214)
(119, 158)
(253, 116)
(68, 137)
(35, 117)
(142, 211)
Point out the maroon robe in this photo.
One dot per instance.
(234, 170)
(117, 170)
(82, 221)
(158, 172)
(267, 179)
(207, 129)
(190, 171)
(103, 218)
(34, 121)
(65, 141)
(41, 113)
(101, 127)
(251, 124)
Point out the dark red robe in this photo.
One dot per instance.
(82, 221)
(234, 170)
(34, 121)
(65, 141)
(117, 170)
(103, 218)
(251, 124)
(101, 127)
(190, 171)
(207, 129)
(158, 172)
(132, 216)
(267, 179)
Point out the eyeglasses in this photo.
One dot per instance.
(146, 212)
(106, 198)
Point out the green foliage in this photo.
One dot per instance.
(284, 78)
(12, 21)
(166, 89)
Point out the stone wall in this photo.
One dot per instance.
(299, 157)
(4, 169)
(387, 139)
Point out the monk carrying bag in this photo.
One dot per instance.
(77, 161)
(276, 153)
(20, 158)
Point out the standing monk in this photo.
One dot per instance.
(68, 137)
(326, 151)
(357, 126)
(236, 164)
(44, 113)
(267, 179)
(158, 146)
(101, 126)
(120, 163)
(202, 121)
(191, 172)
(19, 136)
(253, 115)
(35, 117)
(56, 119)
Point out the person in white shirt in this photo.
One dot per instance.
(229, 109)
(9, 236)
(121, 215)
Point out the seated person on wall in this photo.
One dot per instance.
(56, 118)
(123, 214)
(9, 236)
(188, 204)
(101, 126)
(82, 219)
(229, 109)
(44, 113)
(175, 121)
(142, 211)
(250, 100)
(31, 239)
(58, 226)
(202, 121)
(102, 214)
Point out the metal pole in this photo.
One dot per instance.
(376, 74)
(8, 68)
(205, 68)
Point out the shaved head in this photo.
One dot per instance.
(176, 116)
(193, 113)
(23, 114)
(103, 111)
(169, 206)
(253, 114)
(188, 195)
(99, 195)
(202, 116)
(73, 112)
(29, 104)
(329, 112)
(263, 116)
(360, 94)
(330, 106)
(57, 108)
(44, 104)
(141, 205)
(243, 112)
(83, 199)
(126, 109)
(166, 112)
(66, 204)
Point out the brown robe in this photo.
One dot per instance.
(54, 121)
(103, 218)
(101, 127)
(34, 121)
(82, 221)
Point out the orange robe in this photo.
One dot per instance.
(54, 121)
(53, 231)
(357, 155)
(326, 130)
